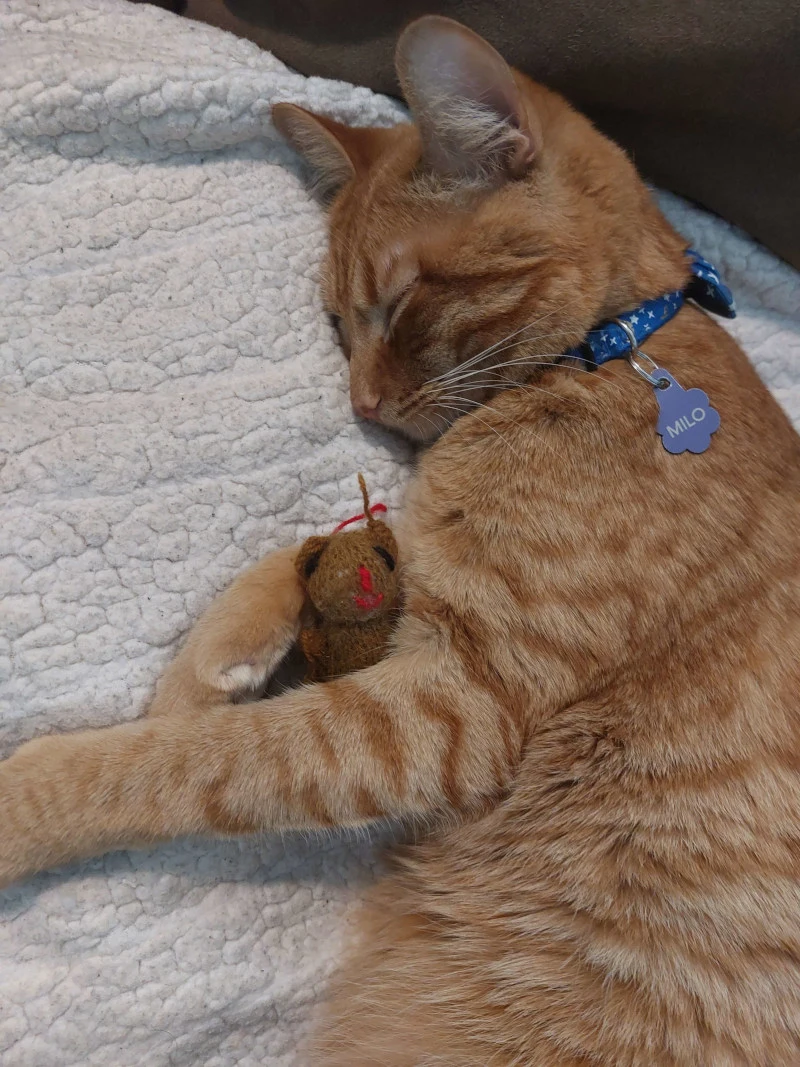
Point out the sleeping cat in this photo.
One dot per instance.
(594, 692)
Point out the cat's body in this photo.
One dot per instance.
(596, 678)
(636, 898)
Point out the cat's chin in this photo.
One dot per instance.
(423, 427)
(416, 433)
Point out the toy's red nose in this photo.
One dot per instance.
(369, 601)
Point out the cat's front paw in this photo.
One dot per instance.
(238, 643)
(247, 631)
(247, 676)
(23, 815)
(8, 844)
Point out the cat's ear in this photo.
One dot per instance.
(336, 153)
(466, 102)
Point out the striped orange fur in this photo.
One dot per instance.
(594, 691)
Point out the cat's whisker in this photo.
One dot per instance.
(503, 415)
(445, 424)
(504, 383)
(533, 363)
(497, 383)
(486, 383)
(457, 413)
(480, 355)
(431, 423)
(493, 347)
(519, 361)
(494, 430)
(429, 390)
(533, 360)
(475, 367)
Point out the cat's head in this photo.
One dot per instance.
(470, 249)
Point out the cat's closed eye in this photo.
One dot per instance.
(343, 334)
(396, 307)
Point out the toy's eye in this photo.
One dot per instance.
(387, 557)
(312, 563)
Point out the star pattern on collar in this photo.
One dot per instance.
(610, 341)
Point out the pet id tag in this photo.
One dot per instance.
(686, 419)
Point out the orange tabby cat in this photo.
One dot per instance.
(596, 682)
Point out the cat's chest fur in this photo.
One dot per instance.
(580, 555)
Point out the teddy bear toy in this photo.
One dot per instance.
(352, 589)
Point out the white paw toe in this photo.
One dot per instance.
(239, 677)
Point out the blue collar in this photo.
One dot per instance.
(610, 341)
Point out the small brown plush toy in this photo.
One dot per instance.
(352, 584)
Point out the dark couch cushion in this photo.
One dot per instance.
(704, 94)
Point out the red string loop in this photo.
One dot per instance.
(358, 518)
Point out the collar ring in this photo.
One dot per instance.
(637, 358)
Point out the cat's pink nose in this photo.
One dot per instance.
(368, 407)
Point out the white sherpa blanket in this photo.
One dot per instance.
(173, 406)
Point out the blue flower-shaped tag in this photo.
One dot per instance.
(686, 419)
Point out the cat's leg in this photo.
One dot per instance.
(239, 641)
(409, 736)
(388, 1004)
(419, 987)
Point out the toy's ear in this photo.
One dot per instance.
(309, 556)
(383, 537)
